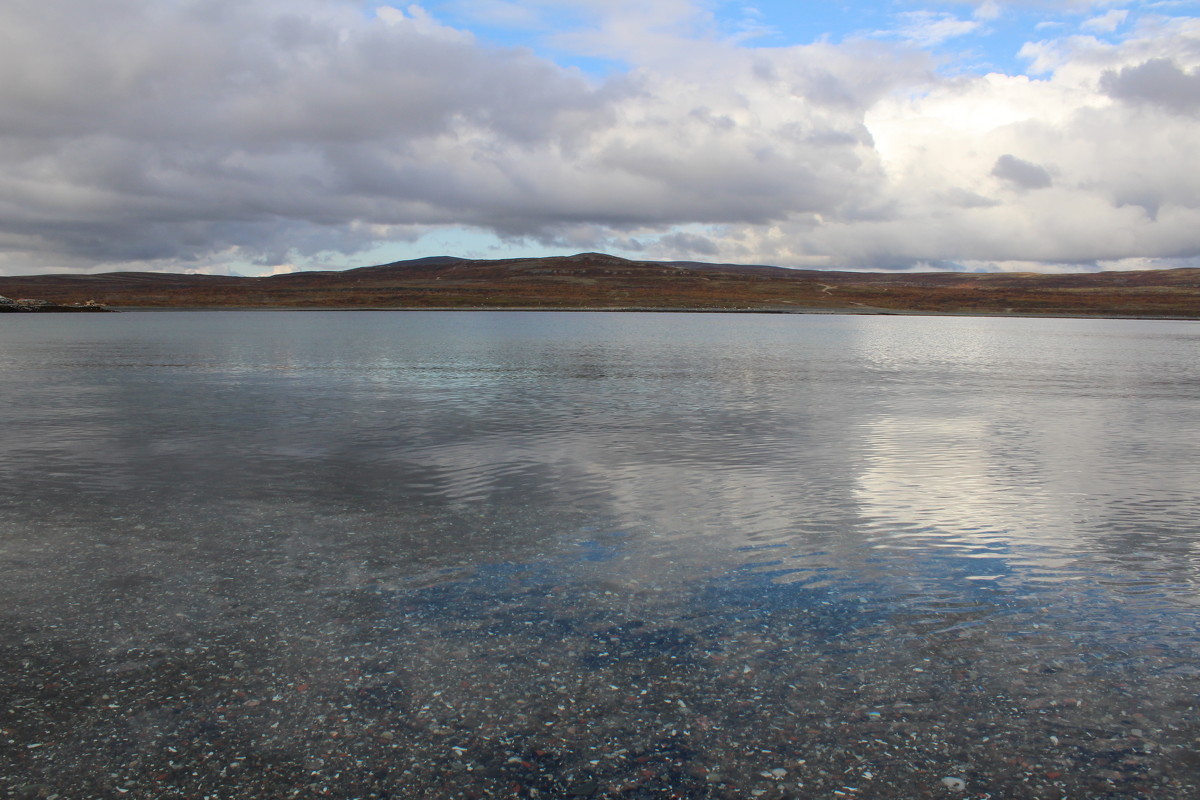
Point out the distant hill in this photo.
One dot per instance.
(599, 281)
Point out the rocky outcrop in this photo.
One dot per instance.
(27, 305)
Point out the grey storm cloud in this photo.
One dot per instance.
(220, 120)
(1024, 174)
(689, 243)
(1159, 82)
(164, 130)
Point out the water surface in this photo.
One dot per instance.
(430, 554)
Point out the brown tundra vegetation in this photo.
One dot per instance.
(598, 281)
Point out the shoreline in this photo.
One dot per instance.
(859, 312)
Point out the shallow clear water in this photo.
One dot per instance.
(613, 555)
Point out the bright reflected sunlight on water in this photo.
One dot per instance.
(552, 555)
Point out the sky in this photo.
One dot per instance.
(256, 137)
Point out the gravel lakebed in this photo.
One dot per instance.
(546, 679)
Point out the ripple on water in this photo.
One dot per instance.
(599, 555)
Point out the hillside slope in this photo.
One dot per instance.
(595, 280)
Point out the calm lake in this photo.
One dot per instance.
(555, 555)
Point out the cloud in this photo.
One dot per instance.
(273, 131)
(988, 11)
(1021, 173)
(1158, 82)
(167, 130)
(930, 28)
(1106, 23)
(271, 134)
(690, 243)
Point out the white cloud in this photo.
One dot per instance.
(930, 28)
(988, 11)
(1106, 23)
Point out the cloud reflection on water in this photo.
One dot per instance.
(829, 513)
